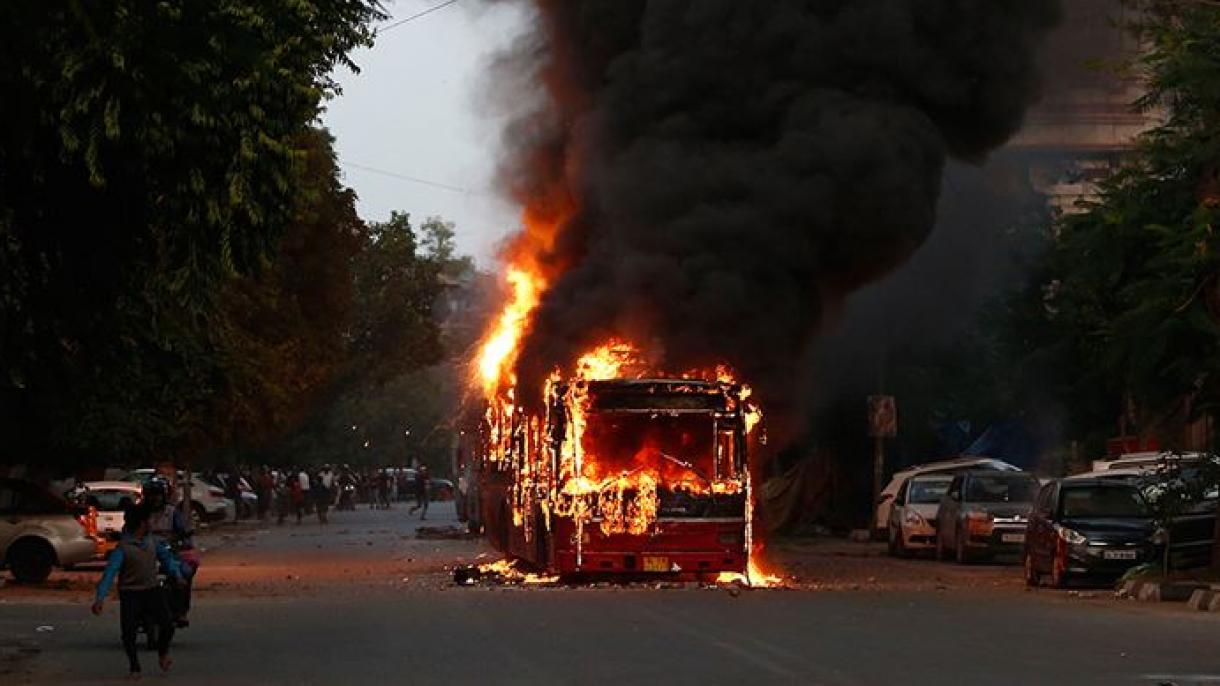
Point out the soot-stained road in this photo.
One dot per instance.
(366, 601)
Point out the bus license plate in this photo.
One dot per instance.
(656, 564)
(1012, 538)
(1119, 554)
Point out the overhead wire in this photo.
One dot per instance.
(417, 15)
(406, 177)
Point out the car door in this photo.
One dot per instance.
(896, 510)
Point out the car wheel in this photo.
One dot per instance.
(31, 561)
(1032, 577)
(892, 542)
(197, 517)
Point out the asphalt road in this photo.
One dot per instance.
(364, 601)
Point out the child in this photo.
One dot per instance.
(141, 599)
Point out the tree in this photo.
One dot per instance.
(148, 153)
(1134, 281)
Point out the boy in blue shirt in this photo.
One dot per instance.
(141, 599)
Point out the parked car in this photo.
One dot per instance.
(247, 506)
(912, 523)
(442, 489)
(1089, 527)
(208, 502)
(111, 499)
(885, 501)
(1147, 461)
(1192, 531)
(984, 513)
(39, 531)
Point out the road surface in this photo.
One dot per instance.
(366, 601)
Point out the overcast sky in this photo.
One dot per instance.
(414, 111)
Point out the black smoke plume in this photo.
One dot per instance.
(733, 169)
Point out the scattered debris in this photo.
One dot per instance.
(445, 533)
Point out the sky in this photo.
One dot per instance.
(415, 111)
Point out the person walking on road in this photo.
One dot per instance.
(141, 601)
(423, 487)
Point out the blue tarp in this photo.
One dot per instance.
(1008, 441)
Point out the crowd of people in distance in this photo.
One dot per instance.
(298, 492)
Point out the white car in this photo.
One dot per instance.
(208, 502)
(885, 501)
(1147, 461)
(39, 531)
(912, 524)
(111, 499)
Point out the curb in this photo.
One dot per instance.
(1169, 592)
(1205, 600)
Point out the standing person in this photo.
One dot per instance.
(423, 488)
(134, 563)
(266, 491)
(320, 495)
(383, 490)
(296, 495)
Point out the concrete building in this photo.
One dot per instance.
(1086, 120)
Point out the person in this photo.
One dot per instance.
(134, 564)
(423, 486)
(297, 495)
(266, 492)
(320, 495)
(383, 490)
(170, 525)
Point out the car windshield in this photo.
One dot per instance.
(1000, 489)
(926, 491)
(112, 500)
(1102, 501)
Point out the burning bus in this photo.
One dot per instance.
(622, 472)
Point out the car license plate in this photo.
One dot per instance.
(1012, 538)
(656, 564)
(1119, 555)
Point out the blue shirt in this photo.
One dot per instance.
(115, 562)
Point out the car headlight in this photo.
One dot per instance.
(1160, 536)
(1072, 536)
(913, 518)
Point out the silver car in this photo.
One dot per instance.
(39, 531)
(984, 513)
(913, 516)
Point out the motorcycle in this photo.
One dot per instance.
(347, 498)
(177, 593)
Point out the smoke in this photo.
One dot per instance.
(724, 173)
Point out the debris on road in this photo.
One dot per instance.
(445, 533)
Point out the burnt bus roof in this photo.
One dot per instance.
(657, 386)
(677, 395)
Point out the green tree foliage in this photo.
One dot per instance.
(1132, 283)
(282, 340)
(149, 152)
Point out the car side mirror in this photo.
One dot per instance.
(884, 497)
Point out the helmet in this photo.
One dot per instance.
(156, 487)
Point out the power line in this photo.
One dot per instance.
(404, 177)
(417, 15)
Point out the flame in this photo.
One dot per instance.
(508, 571)
(567, 478)
(499, 350)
